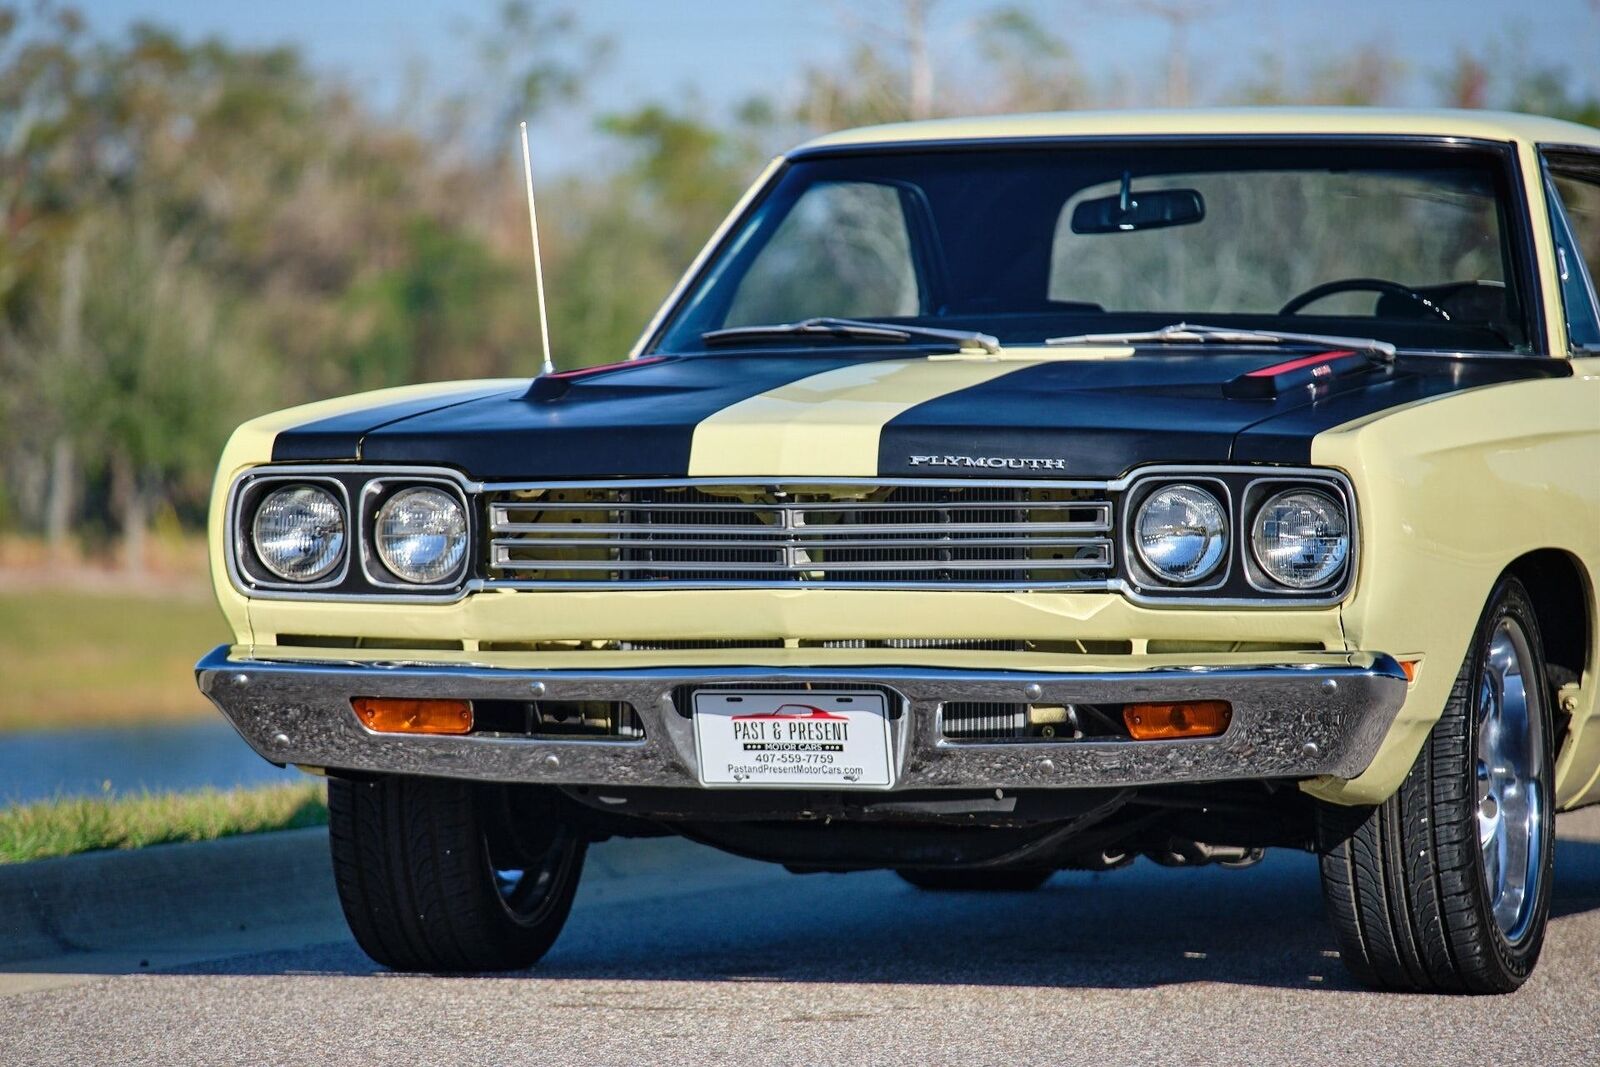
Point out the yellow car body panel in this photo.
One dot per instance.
(1452, 492)
(1200, 122)
(251, 446)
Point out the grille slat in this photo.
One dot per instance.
(836, 565)
(853, 504)
(680, 541)
(938, 534)
(778, 533)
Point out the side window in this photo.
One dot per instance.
(844, 250)
(1580, 197)
(1575, 225)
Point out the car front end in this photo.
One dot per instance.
(977, 507)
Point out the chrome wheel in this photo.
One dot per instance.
(1510, 770)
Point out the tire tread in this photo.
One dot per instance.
(412, 874)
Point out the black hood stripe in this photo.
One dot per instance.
(640, 423)
(1102, 419)
(1070, 417)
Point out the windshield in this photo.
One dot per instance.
(1404, 244)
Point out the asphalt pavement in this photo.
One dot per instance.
(678, 955)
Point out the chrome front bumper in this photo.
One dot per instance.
(1299, 720)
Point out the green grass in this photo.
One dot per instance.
(71, 825)
(80, 659)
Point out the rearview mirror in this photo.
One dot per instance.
(1149, 210)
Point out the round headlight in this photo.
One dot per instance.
(1301, 538)
(299, 533)
(421, 535)
(1181, 533)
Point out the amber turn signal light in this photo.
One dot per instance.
(1155, 722)
(388, 715)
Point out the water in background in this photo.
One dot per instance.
(37, 766)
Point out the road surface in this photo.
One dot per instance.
(678, 955)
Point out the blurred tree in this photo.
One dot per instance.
(888, 75)
(1034, 65)
(1367, 77)
(531, 56)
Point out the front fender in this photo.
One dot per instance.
(1451, 491)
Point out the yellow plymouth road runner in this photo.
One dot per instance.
(990, 498)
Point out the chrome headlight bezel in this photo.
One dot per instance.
(388, 572)
(1262, 574)
(1216, 549)
(1240, 583)
(246, 558)
(1143, 583)
(361, 577)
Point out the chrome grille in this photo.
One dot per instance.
(983, 534)
(986, 720)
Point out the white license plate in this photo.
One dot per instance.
(809, 740)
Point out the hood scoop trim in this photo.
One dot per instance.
(1279, 378)
(555, 385)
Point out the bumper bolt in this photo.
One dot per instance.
(1330, 686)
(552, 761)
(537, 689)
(1310, 750)
(1048, 766)
(1032, 691)
(281, 740)
(241, 679)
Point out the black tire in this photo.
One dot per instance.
(415, 862)
(1405, 883)
(1023, 880)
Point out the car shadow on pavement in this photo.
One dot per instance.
(1143, 926)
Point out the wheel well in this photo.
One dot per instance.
(1560, 590)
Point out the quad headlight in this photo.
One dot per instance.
(1301, 538)
(420, 535)
(299, 533)
(1181, 534)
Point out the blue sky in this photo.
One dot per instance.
(727, 50)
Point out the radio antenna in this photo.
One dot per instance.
(548, 366)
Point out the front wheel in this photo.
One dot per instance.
(1445, 887)
(439, 875)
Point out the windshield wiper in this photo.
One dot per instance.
(853, 330)
(1182, 333)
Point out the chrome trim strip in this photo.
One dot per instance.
(801, 568)
(776, 534)
(500, 511)
(1325, 714)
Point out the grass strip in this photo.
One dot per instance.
(69, 825)
(72, 659)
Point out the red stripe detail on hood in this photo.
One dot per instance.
(1304, 361)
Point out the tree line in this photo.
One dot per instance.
(193, 231)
